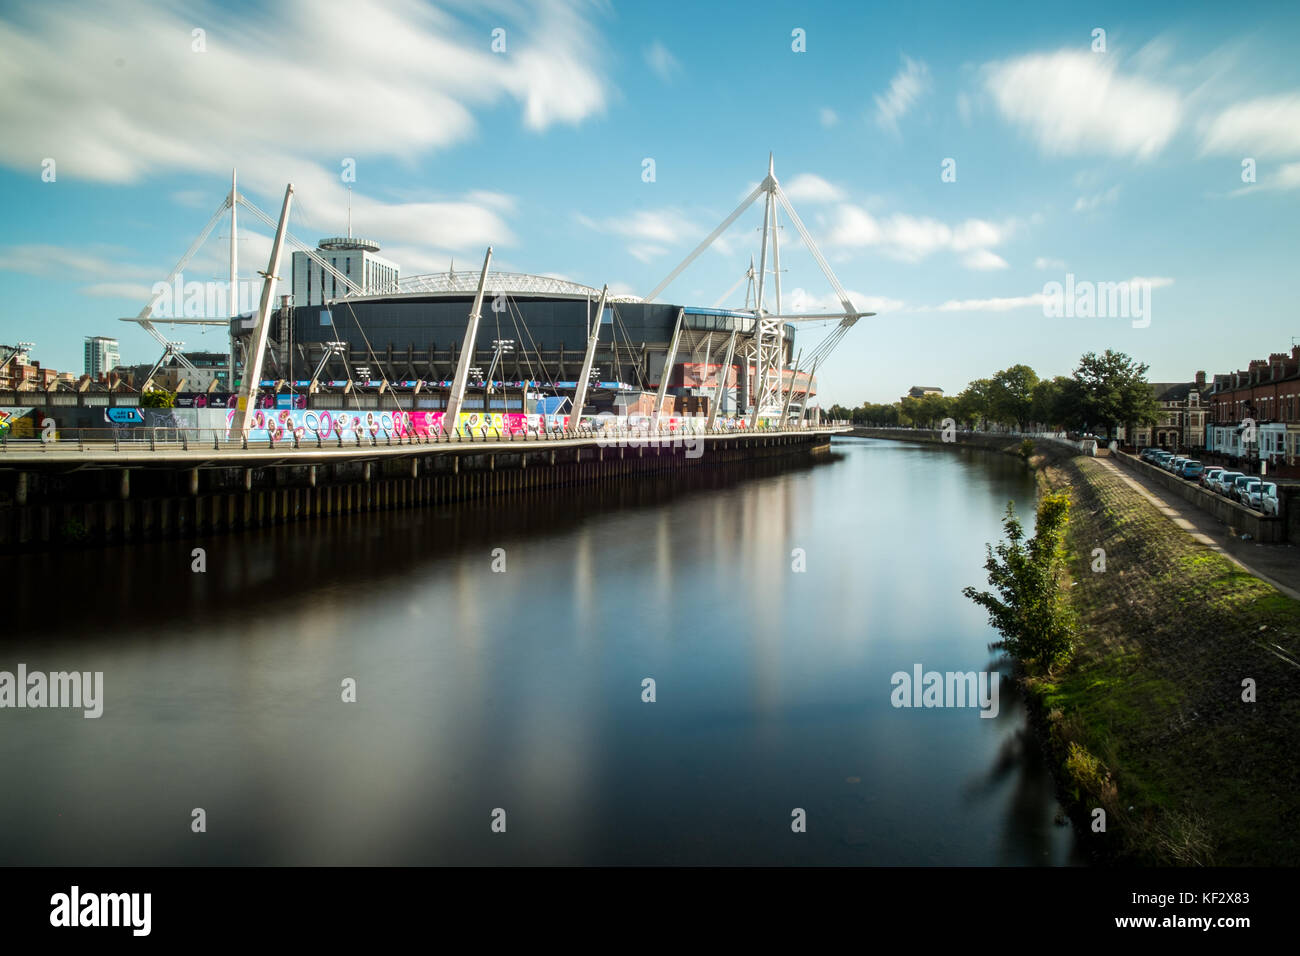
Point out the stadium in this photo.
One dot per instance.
(528, 352)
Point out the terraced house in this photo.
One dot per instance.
(1183, 416)
(1266, 395)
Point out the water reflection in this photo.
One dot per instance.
(522, 690)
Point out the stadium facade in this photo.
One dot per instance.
(528, 351)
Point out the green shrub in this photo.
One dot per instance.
(1030, 610)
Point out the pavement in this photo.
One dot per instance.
(1278, 564)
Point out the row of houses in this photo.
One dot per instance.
(1251, 415)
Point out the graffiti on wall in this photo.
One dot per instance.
(15, 422)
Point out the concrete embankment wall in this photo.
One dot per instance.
(1235, 516)
(1006, 444)
(50, 508)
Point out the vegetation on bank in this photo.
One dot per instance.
(1104, 391)
(1030, 610)
(1153, 718)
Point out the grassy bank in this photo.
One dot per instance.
(1147, 720)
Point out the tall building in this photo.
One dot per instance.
(101, 355)
(354, 258)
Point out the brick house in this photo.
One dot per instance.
(1183, 414)
(1266, 395)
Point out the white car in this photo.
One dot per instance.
(1223, 479)
(1248, 493)
(1265, 498)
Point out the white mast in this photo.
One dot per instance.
(234, 276)
(257, 341)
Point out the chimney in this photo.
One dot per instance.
(1200, 380)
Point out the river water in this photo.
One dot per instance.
(522, 690)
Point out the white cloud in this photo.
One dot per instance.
(904, 89)
(656, 225)
(1287, 176)
(983, 260)
(802, 302)
(1268, 126)
(39, 259)
(1053, 265)
(992, 305)
(828, 117)
(653, 231)
(645, 252)
(661, 61)
(134, 291)
(912, 238)
(1008, 303)
(1074, 102)
(403, 79)
(1156, 282)
(1097, 200)
(807, 187)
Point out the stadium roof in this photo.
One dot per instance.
(509, 283)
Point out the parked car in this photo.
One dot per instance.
(1191, 470)
(1173, 464)
(1238, 486)
(1256, 491)
(1247, 490)
(1223, 479)
(1208, 474)
(1270, 503)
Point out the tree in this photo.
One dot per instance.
(1030, 610)
(157, 398)
(1047, 405)
(1010, 395)
(910, 411)
(971, 406)
(932, 409)
(1113, 390)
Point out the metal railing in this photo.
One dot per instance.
(150, 438)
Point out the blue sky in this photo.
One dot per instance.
(1110, 166)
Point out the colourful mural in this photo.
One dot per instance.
(286, 424)
(16, 422)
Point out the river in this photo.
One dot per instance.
(521, 690)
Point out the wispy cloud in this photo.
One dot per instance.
(1267, 126)
(904, 90)
(828, 117)
(801, 301)
(983, 260)
(661, 61)
(1039, 299)
(1097, 200)
(912, 238)
(1285, 177)
(39, 259)
(990, 305)
(807, 187)
(1073, 102)
(429, 70)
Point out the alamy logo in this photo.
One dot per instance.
(56, 689)
(951, 689)
(102, 909)
(1082, 299)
